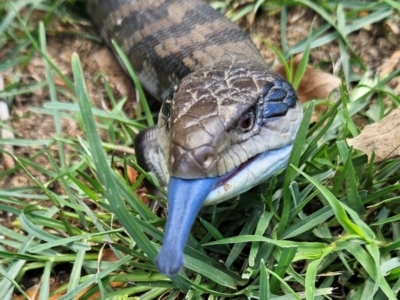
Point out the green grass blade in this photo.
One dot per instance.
(248, 228)
(291, 173)
(284, 261)
(337, 207)
(114, 191)
(311, 274)
(311, 247)
(354, 200)
(45, 282)
(260, 230)
(301, 69)
(264, 282)
(138, 86)
(394, 4)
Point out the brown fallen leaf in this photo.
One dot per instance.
(133, 175)
(34, 291)
(392, 26)
(383, 138)
(390, 64)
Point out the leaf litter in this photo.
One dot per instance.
(382, 138)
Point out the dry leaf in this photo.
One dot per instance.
(390, 64)
(392, 26)
(108, 255)
(315, 84)
(133, 175)
(34, 291)
(383, 138)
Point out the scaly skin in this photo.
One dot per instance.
(227, 121)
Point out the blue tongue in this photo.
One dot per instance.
(185, 199)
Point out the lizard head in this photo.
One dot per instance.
(222, 131)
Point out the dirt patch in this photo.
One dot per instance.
(373, 44)
(96, 60)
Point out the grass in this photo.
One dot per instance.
(326, 228)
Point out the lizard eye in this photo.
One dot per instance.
(246, 121)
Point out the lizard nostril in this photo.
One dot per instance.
(190, 164)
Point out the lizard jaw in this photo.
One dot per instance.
(250, 174)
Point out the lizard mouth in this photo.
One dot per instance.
(249, 174)
(187, 196)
